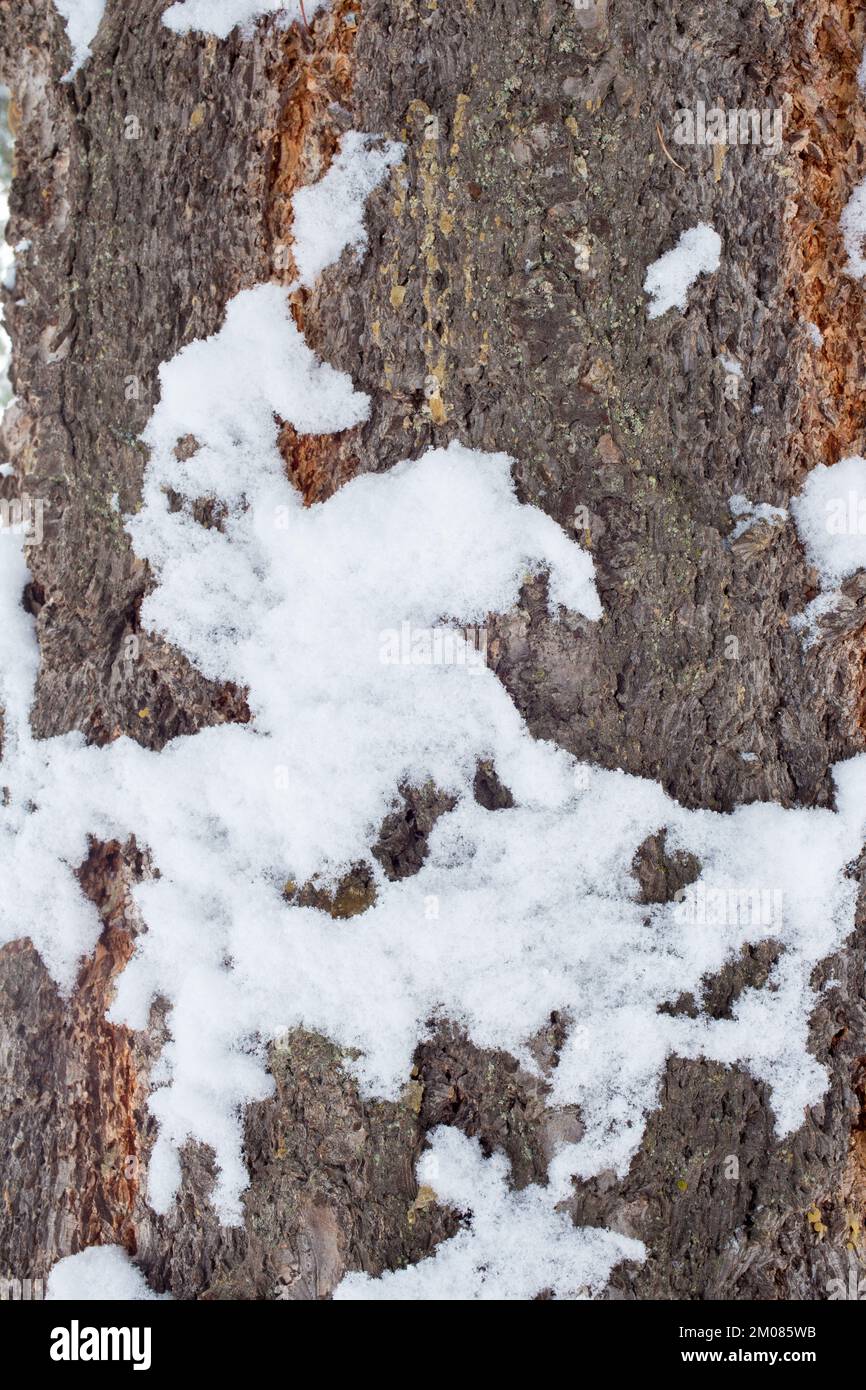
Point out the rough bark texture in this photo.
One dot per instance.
(500, 304)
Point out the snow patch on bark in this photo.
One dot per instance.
(101, 1272)
(293, 602)
(830, 513)
(219, 17)
(7, 255)
(82, 19)
(19, 651)
(669, 279)
(329, 215)
(853, 224)
(514, 1245)
(748, 514)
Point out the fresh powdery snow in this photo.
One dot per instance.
(515, 1245)
(219, 17)
(97, 1273)
(514, 914)
(830, 513)
(19, 651)
(669, 279)
(82, 19)
(329, 215)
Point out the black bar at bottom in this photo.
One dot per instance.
(226, 1338)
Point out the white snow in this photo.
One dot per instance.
(97, 1273)
(6, 253)
(853, 225)
(748, 514)
(292, 601)
(853, 219)
(816, 337)
(19, 652)
(830, 513)
(808, 623)
(515, 1245)
(669, 279)
(219, 17)
(329, 215)
(82, 19)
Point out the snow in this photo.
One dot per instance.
(82, 19)
(514, 1245)
(226, 390)
(830, 513)
(808, 623)
(853, 219)
(748, 514)
(19, 652)
(6, 253)
(669, 279)
(853, 225)
(219, 17)
(292, 601)
(329, 215)
(101, 1272)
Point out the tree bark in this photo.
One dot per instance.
(501, 305)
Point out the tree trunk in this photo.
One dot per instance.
(500, 304)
